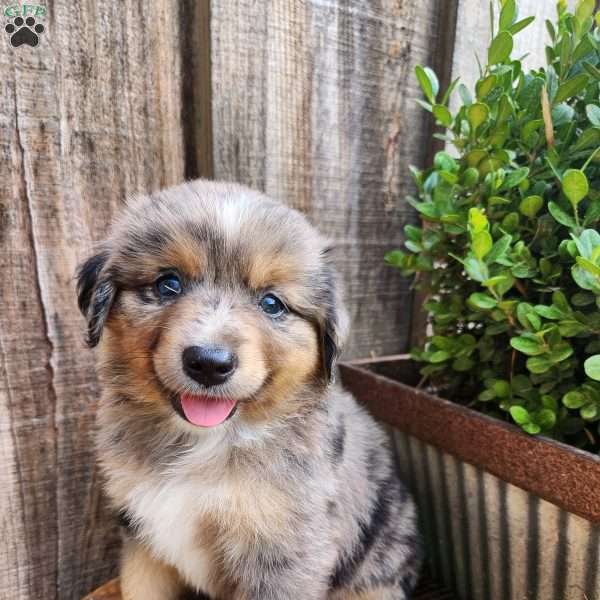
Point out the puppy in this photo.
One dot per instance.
(241, 471)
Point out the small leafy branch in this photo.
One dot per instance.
(509, 250)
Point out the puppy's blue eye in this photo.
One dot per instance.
(272, 305)
(168, 286)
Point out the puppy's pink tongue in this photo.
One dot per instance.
(206, 411)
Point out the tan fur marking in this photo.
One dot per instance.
(187, 256)
(135, 350)
(291, 366)
(266, 270)
(145, 578)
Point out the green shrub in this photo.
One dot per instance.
(509, 250)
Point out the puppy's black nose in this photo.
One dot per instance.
(209, 365)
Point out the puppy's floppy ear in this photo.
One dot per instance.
(95, 294)
(334, 329)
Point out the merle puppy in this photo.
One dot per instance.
(242, 470)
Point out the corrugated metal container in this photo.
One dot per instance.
(505, 516)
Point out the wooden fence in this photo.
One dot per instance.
(311, 101)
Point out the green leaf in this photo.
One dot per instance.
(449, 91)
(582, 299)
(451, 178)
(463, 363)
(560, 215)
(561, 352)
(499, 249)
(582, 49)
(482, 243)
(435, 84)
(443, 161)
(476, 269)
(482, 301)
(531, 205)
(589, 412)
(548, 312)
(573, 400)
(507, 14)
(439, 356)
(591, 70)
(538, 364)
(505, 108)
(511, 221)
(470, 177)
(571, 328)
(560, 301)
(562, 113)
(500, 48)
(585, 9)
(531, 428)
(592, 367)
(477, 220)
(571, 87)
(475, 157)
(428, 82)
(501, 388)
(394, 258)
(530, 128)
(593, 114)
(477, 114)
(520, 25)
(545, 418)
(485, 86)
(413, 233)
(588, 265)
(424, 105)
(465, 95)
(575, 185)
(515, 177)
(442, 114)
(587, 242)
(523, 309)
(583, 278)
(486, 396)
(498, 201)
(589, 137)
(519, 415)
(527, 345)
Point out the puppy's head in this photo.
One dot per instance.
(210, 301)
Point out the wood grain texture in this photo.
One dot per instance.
(91, 114)
(313, 102)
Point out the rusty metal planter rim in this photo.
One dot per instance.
(556, 472)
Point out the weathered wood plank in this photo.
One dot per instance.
(91, 114)
(313, 102)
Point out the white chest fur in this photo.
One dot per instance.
(168, 512)
(170, 505)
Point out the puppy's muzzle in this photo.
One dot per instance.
(209, 365)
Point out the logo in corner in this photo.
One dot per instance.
(24, 26)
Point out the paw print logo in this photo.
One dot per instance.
(24, 31)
